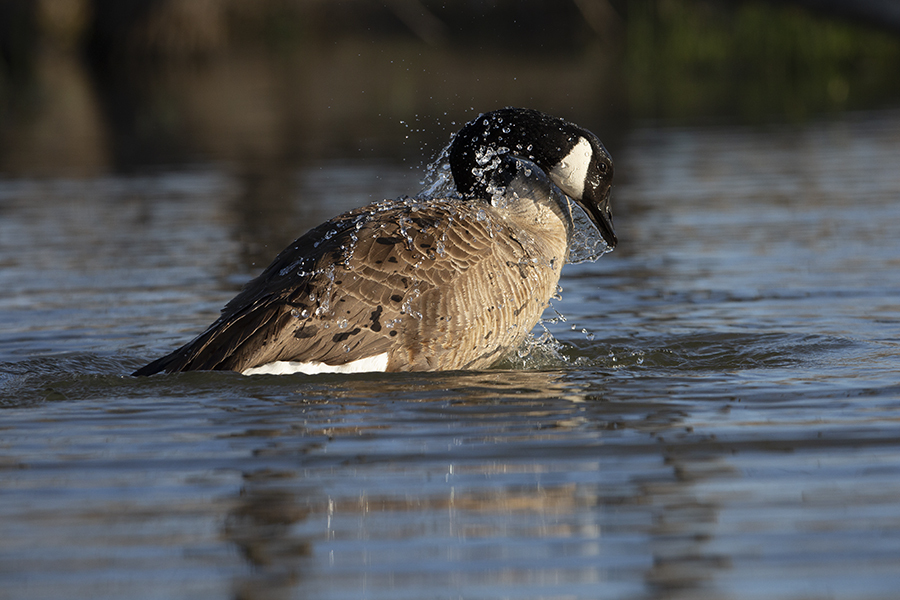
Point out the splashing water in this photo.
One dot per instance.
(537, 352)
(438, 181)
(586, 245)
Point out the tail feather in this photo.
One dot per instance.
(242, 341)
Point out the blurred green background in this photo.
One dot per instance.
(89, 87)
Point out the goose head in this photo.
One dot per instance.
(573, 158)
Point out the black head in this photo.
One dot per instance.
(572, 156)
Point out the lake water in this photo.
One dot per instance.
(722, 419)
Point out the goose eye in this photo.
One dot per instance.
(604, 168)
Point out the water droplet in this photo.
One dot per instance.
(557, 293)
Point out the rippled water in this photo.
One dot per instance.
(723, 420)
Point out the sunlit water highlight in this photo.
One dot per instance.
(721, 417)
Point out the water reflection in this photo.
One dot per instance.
(354, 493)
(261, 527)
(251, 110)
(88, 87)
(57, 127)
(685, 522)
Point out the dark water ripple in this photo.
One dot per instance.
(719, 416)
(344, 484)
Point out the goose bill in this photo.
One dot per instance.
(601, 216)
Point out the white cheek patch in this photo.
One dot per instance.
(572, 170)
(377, 363)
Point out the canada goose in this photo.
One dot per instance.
(426, 283)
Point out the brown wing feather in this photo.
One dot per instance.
(252, 319)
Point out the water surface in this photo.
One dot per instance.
(720, 420)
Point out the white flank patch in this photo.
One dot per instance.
(377, 363)
(571, 171)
